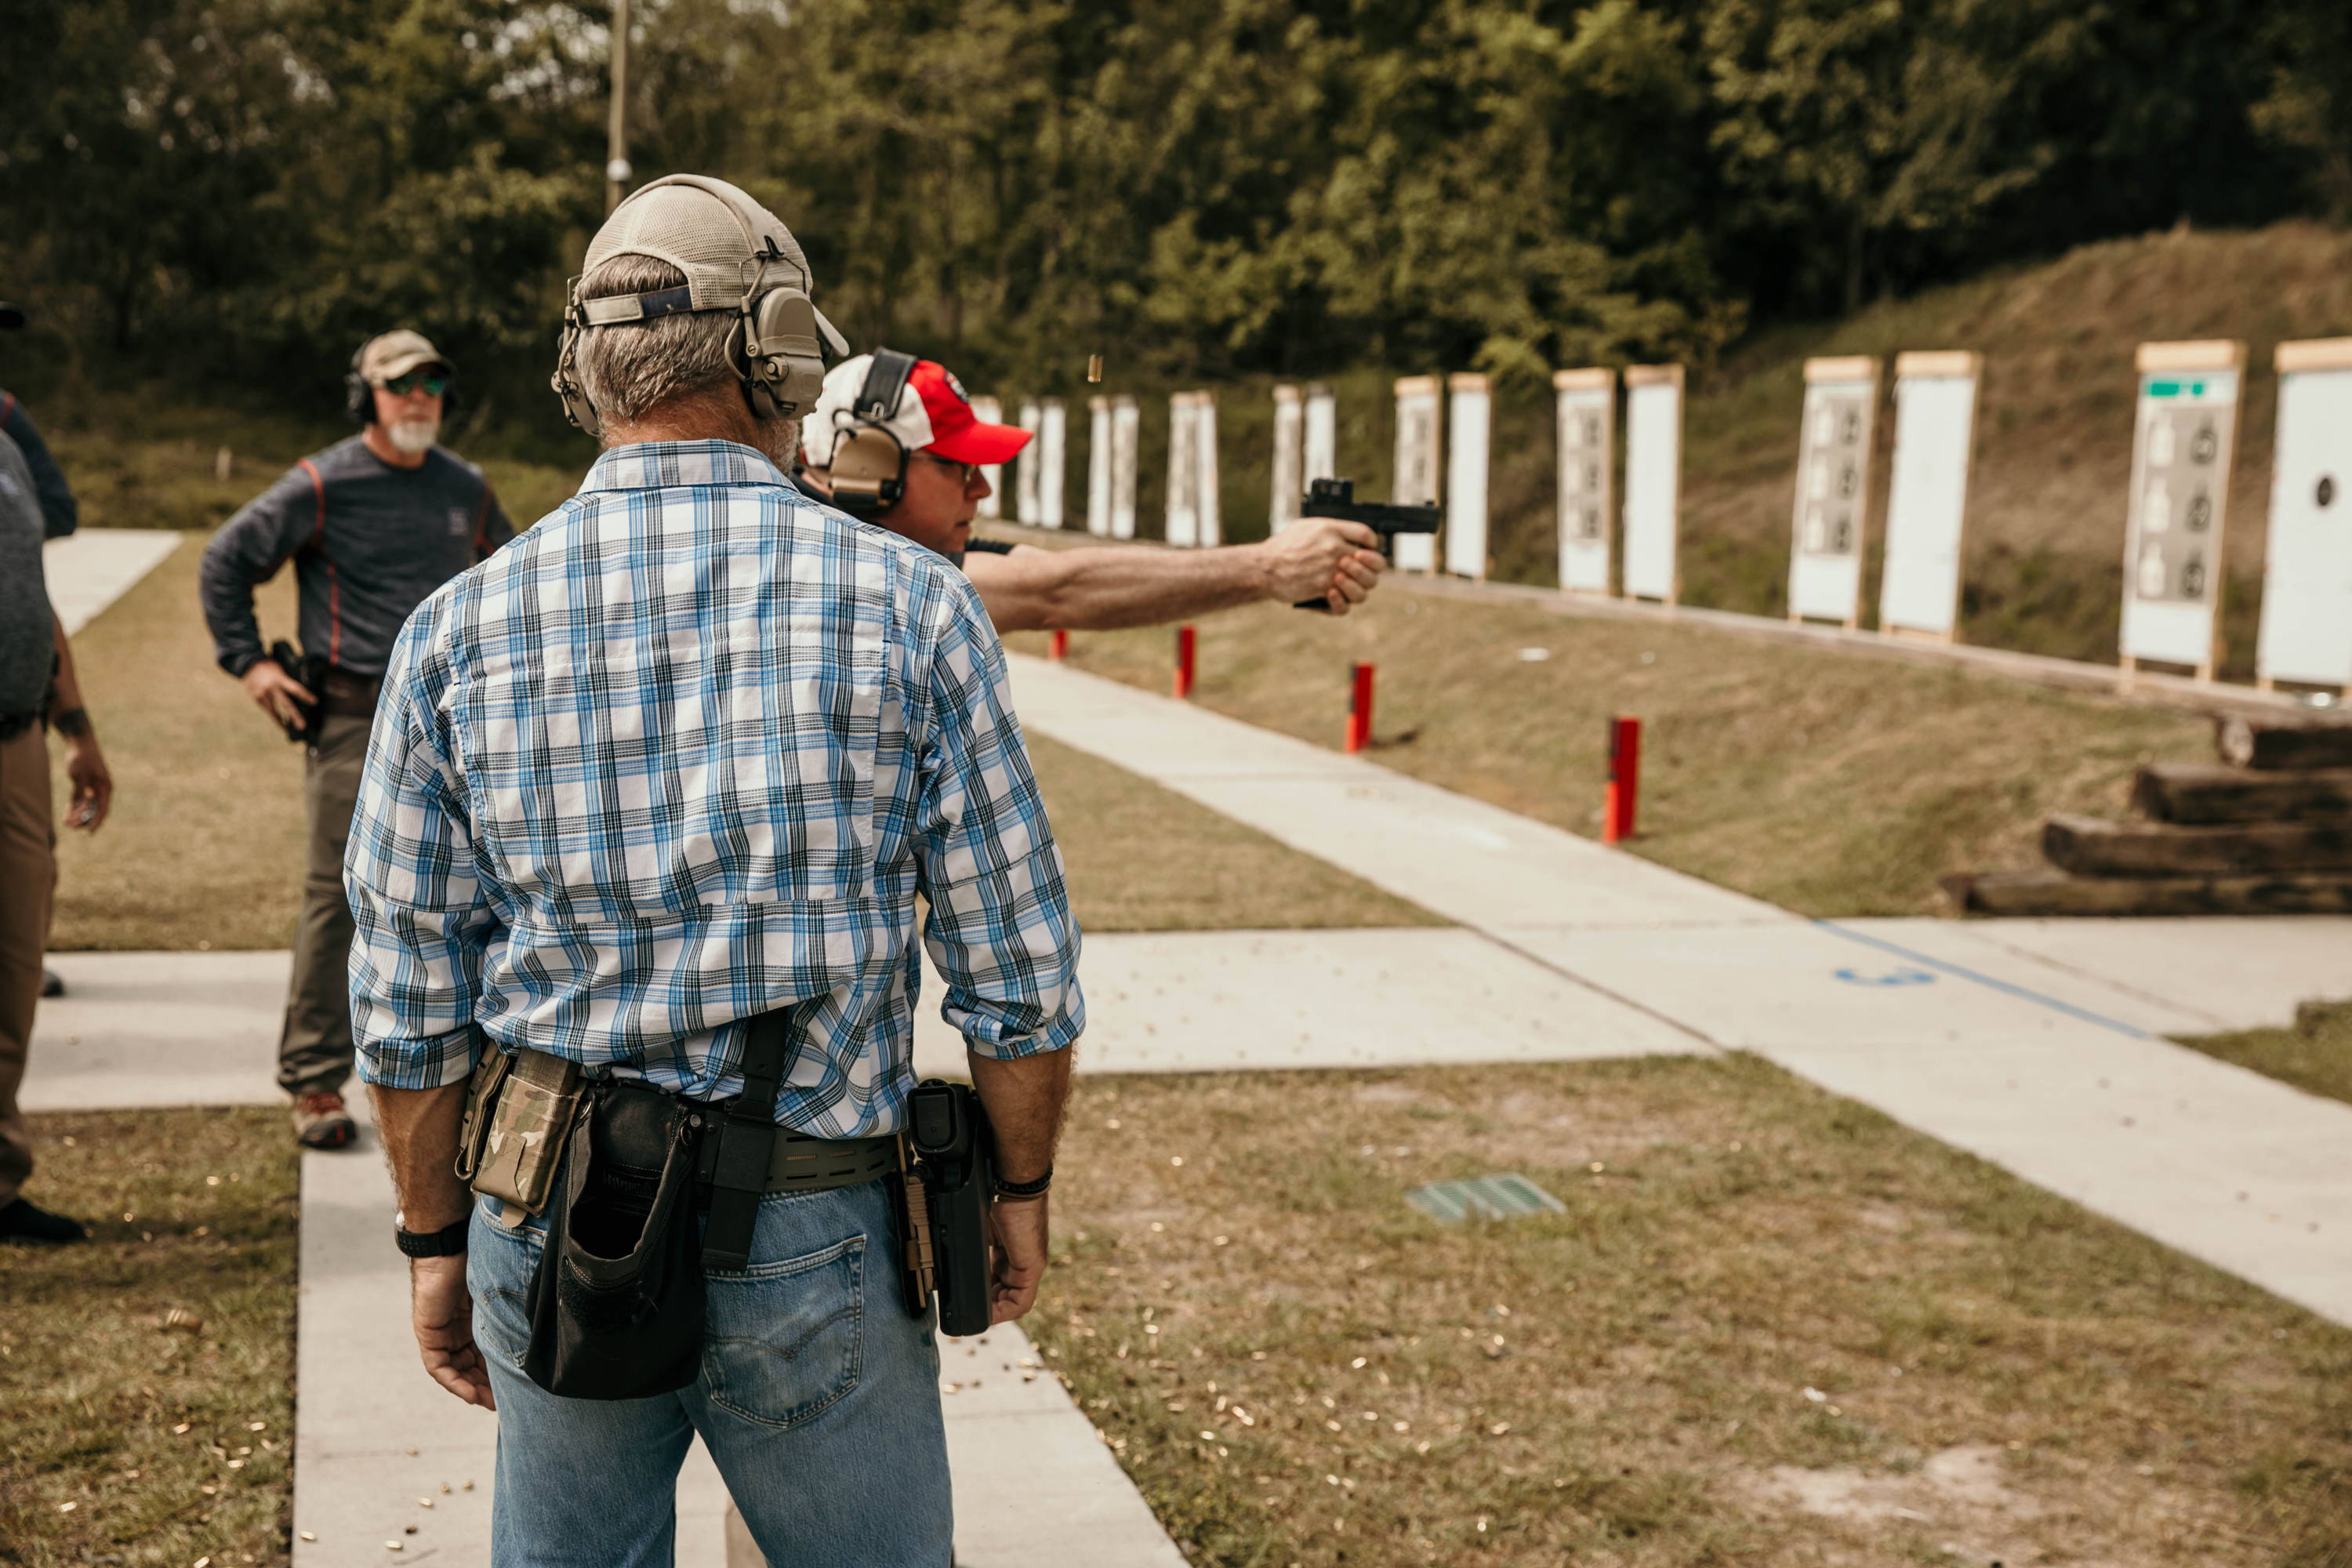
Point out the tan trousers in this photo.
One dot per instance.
(314, 1051)
(28, 880)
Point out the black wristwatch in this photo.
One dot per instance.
(450, 1241)
(1016, 1191)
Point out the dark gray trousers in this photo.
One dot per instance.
(314, 1051)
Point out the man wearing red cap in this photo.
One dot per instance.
(940, 448)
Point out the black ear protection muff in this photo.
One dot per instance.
(359, 397)
(868, 473)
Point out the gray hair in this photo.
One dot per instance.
(629, 371)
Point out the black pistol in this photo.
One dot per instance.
(311, 671)
(956, 1163)
(1337, 498)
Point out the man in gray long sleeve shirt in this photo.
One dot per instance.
(373, 526)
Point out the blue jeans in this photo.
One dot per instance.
(819, 1399)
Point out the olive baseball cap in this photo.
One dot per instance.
(716, 234)
(395, 353)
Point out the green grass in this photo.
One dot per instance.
(127, 1442)
(204, 846)
(1831, 785)
(1625, 1384)
(2314, 1053)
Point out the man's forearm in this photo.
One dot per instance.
(65, 687)
(1023, 1097)
(419, 1128)
(1092, 588)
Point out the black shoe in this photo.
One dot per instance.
(52, 982)
(21, 1222)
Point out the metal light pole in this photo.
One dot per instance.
(617, 125)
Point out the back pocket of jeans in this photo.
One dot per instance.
(787, 1340)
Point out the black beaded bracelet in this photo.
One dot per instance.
(1036, 1189)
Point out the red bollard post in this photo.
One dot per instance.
(1360, 711)
(1187, 646)
(1625, 779)
(1059, 649)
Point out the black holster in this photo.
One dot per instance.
(311, 669)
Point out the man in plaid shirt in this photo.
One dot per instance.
(682, 754)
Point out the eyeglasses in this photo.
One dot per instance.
(431, 382)
(969, 471)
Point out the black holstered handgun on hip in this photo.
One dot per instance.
(311, 669)
(1337, 498)
(947, 1190)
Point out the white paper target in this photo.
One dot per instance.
(1026, 506)
(1416, 472)
(1585, 424)
(2180, 480)
(1053, 454)
(1935, 435)
(1183, 527)
(1469, 420)
(2306, 634)
(1322, 443)
(1827, 530)
(1286, 484)
(1653, 443)
(1126, 438)
(1204, 453)
(1098, 467)
(988, 411)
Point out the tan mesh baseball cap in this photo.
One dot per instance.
(397, 352)
(711, 231)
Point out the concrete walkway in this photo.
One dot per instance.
(89, 570)
(2033, 1044)
(375, 1440)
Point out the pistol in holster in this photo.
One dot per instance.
(950, 1172)
(311, 669)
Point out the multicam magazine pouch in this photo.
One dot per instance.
(518, 1112)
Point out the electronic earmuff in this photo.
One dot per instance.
(777, 349)
(359, 396)
(868, 472)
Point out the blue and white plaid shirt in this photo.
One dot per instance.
(685, 752)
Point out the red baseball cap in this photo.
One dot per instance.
(933, 415)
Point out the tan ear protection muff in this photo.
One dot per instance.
(778, 346)
(868, 473)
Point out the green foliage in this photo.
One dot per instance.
(1198, 188)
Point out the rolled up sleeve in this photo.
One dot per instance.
(417, 899)
(1000, 929)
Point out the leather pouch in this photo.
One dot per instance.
(522, 1143)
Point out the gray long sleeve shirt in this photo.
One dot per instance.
(59, 511)
(369, 542)
(28, 637)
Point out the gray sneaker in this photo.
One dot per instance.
(321, 1121)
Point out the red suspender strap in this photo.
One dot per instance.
(7, 406)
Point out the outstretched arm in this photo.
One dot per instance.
(1101, 589)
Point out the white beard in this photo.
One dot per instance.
(414, 436)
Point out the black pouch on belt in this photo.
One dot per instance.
(616, 1304)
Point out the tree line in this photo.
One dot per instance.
(1196, 188)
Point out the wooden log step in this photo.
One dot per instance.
(2246, 742)
(2209, 791)
(2050, 893)
(2094, 847)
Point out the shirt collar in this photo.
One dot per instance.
(667, 465)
